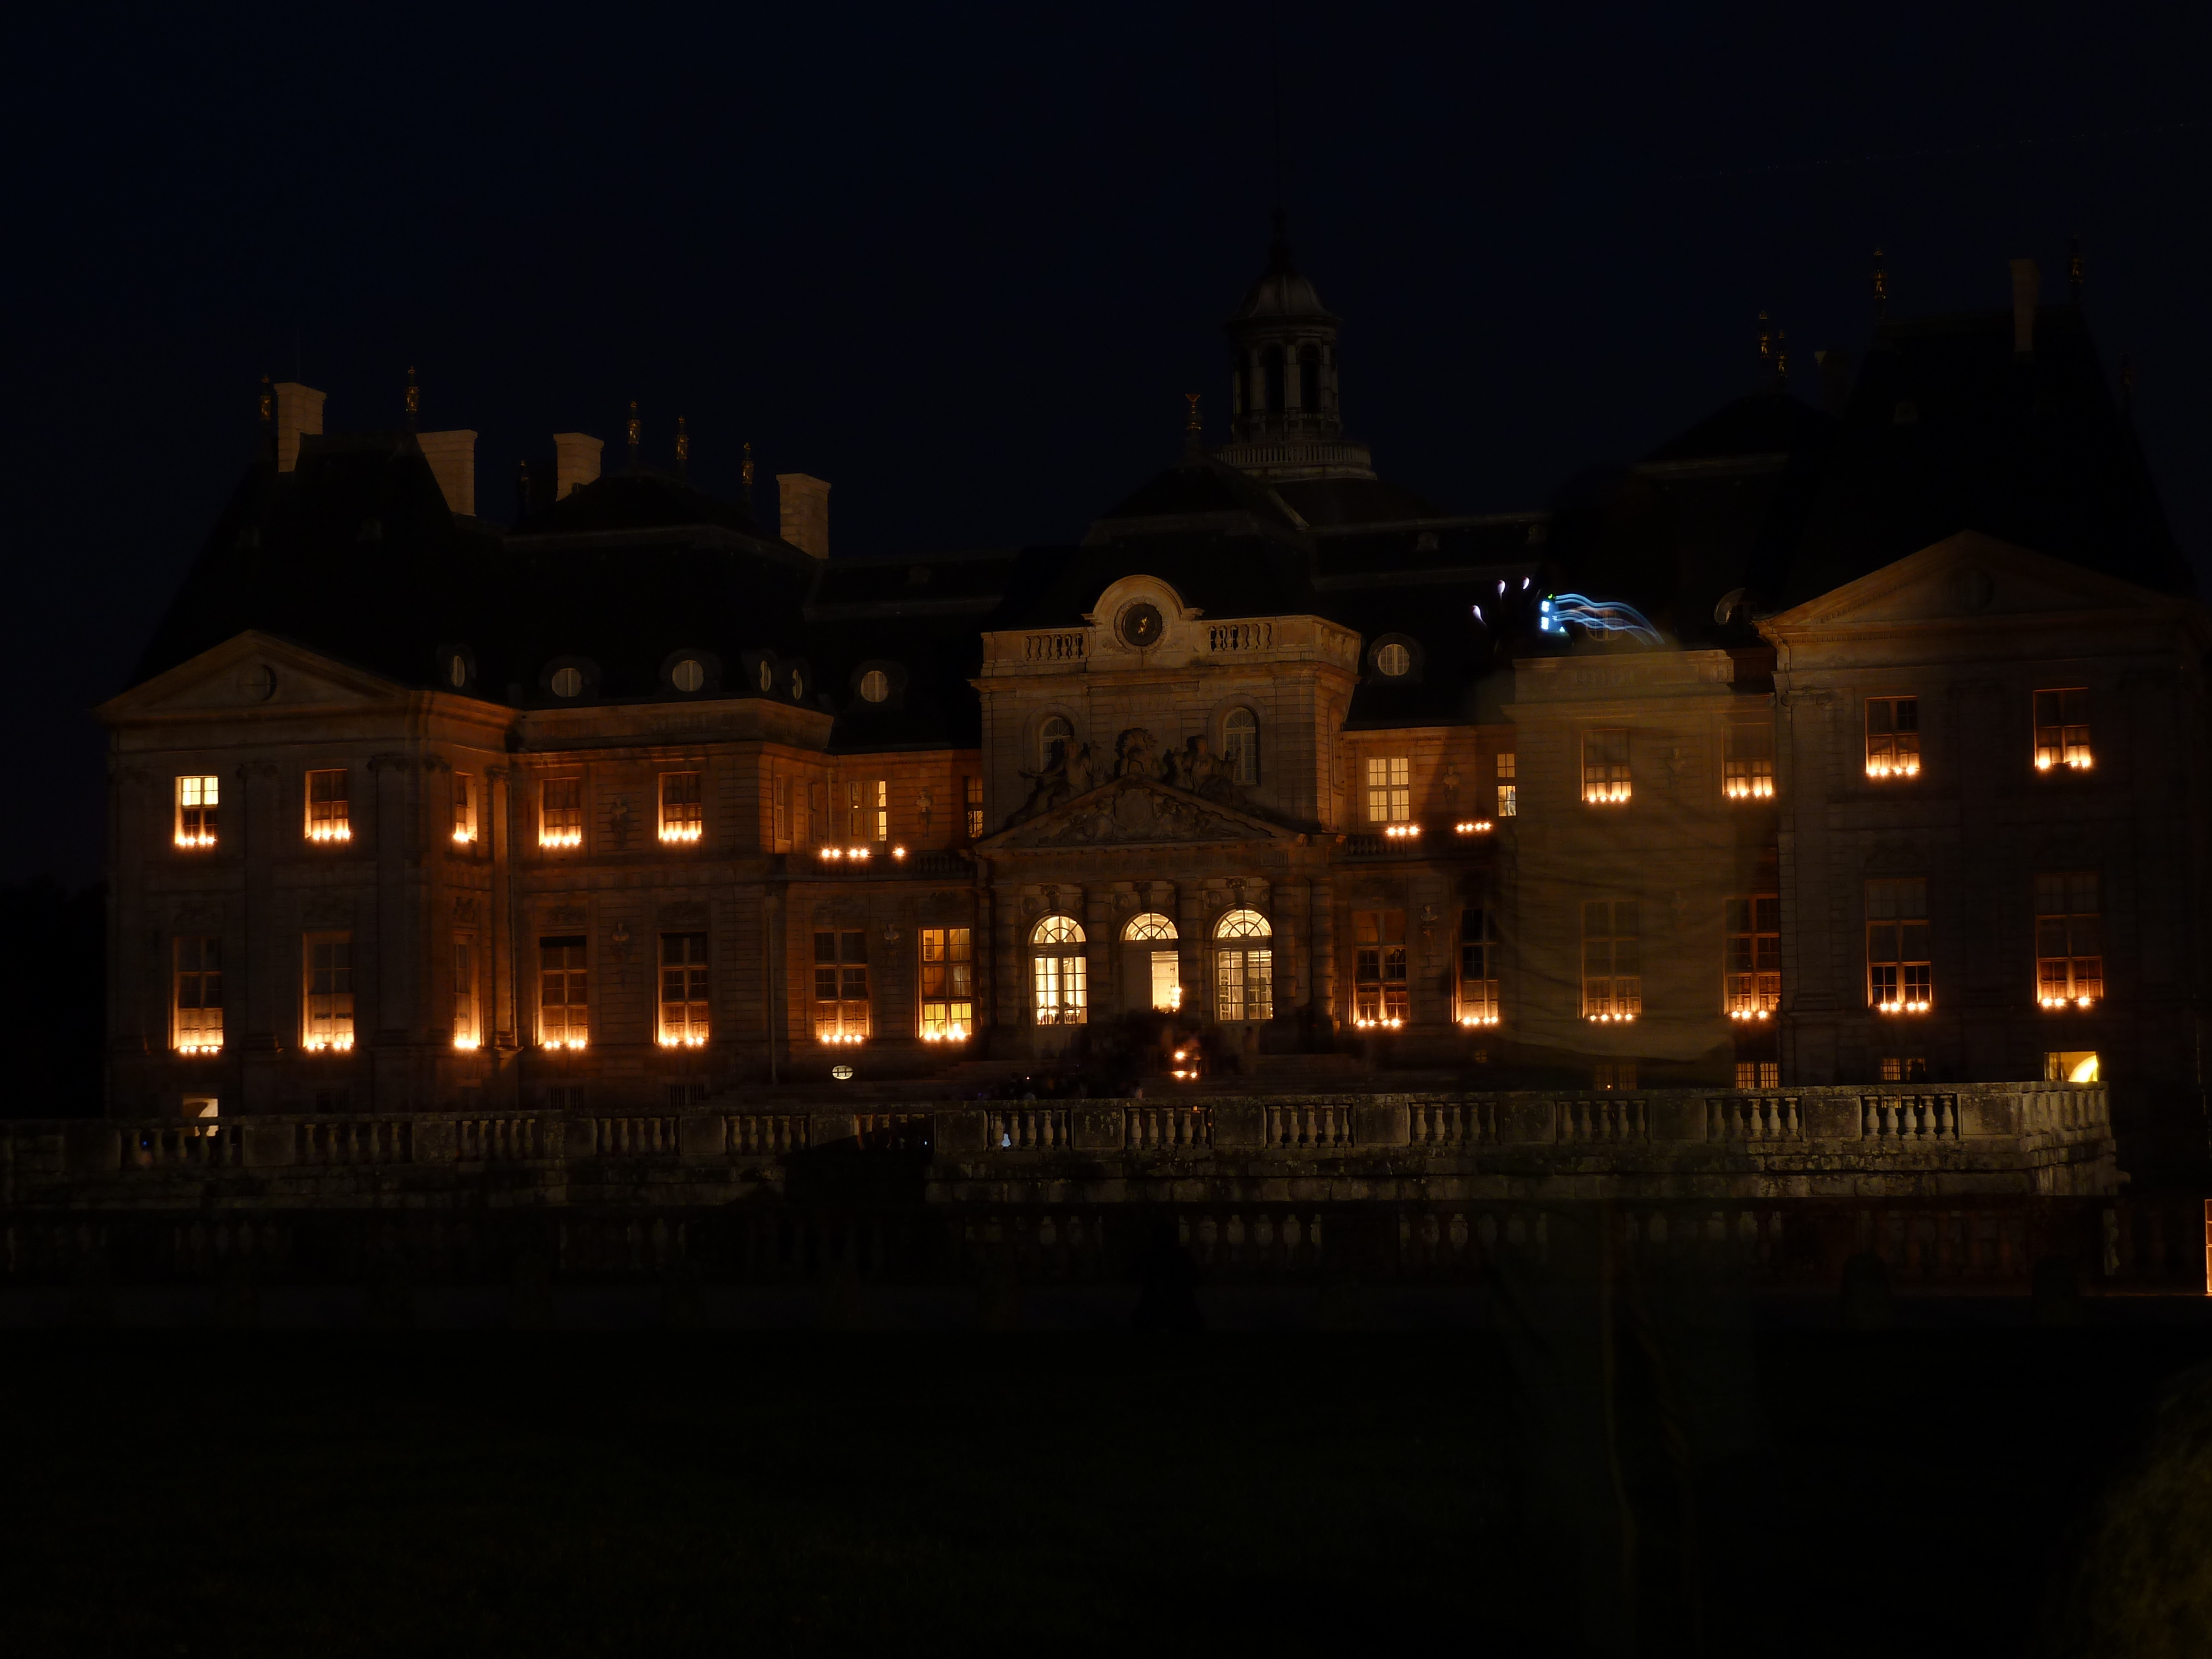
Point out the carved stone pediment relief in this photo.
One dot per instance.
(1135, 812)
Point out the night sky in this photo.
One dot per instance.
(964, 261)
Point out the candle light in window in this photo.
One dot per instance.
(467, 1042)
(1403, 832)
(681, 831)
(839, 1038)
(1903, 1007)
(681, 1040)
(1610, 1019)
(1478, 1019)
(1471, 827)
(332, 1045)
(898, 852)
(329, 832)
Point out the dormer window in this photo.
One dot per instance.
(1893, 737)
(688, 675)
(329, 812)
(680, 811)
(1394, 660)
(568, 682)
(196, 806)
(875, 686)
(2061, 730)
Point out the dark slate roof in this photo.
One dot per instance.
(637, 500)
(1949, 429)
(1332, 502)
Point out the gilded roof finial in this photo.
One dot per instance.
(2074, 269)
(1194, 430)
(1880, 286)
(1195, 424)
(746, 473)
(1765, 345)
(414, 398)
(633, 434)
(683, 448)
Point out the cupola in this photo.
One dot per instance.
(1286, 422)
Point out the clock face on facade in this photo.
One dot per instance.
(1140, 626)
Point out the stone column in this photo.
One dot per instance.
(271, 970)
(1320, 935)
(1097, 914)
(1190, 950)
(499, 942)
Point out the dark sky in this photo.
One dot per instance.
(963, 261)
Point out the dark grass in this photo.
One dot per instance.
(261, 1492)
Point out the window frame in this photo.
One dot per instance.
(196, 964)
(561, 826)
(1476, 991)
(947, 996)
(1892, 742)
(464, 809)
(1243, 970)
(328, 1006)
(198, 797)
(1748, 761)
(2070, 976)
(844, 1000)
(1382, 989)
(1751, 968)
(574, 982)
(690, 976)
(468, 1026)
(1240, 745)
(328, 817)
(1901, 966)
(1049, 756)
(2062, 742)
(1606, 778)
(1613, 993)
(972, 799)
(1060, 991)
(868, 809)
(683, 822)
(1390, 788)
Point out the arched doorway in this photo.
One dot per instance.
(1150, 970)
(1244, 969)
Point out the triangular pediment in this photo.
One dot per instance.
(251, 670)
(1135, 812)
(1968, 577)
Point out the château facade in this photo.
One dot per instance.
(1826, 745)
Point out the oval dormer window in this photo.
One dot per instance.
(1393, 659)
(875, 685)
(689, 675)
(798, 686)
(767, 678)
(568, 682)
(457, 671)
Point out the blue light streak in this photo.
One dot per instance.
(1555, 611)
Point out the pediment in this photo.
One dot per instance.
(1135, 812)
(1966, 578)
(252, 671)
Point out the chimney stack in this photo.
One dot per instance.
(803, 505)
(452, 458)
(299, 413)
(575, 462)
(2026, 295)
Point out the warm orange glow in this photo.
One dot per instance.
(464, 834)
(560, 838)
(1903, 1007)
(2065, 1002)
(1907, 767)
(200, 1046)
(1748, 1013)
(840, 1041)
(1385, 1024)
(849, 853)
(329, 832)
(686, 1039)
(1750, 789)
(1472, 1020)
(203, 839)
(566, 1042)
(1605, 794)
(1471, 827)
(331, 1045)
(682, 831)
(2076, 760)
(1610, 1019)
(468, 1042)
(949, 1034)
(1403, 832)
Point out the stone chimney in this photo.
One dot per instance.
(575, 462)
(2026, 295)
(299, 413)
(452, 458)
(803, 505)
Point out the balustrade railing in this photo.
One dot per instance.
(634, 1136)
(1586, 1122)
(1167, 1129)
(1474, 1123)
(758, 1134)
(184, 1145)
(354, 1141)
(1312, 1128)
(1240, 637)
(1028, 1129)
(1753, 1117)
(1907, 1119)
(1069, 647)
(501, 1140)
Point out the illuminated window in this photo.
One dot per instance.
(561, 813)
(2070, 953)
(1477, 967)
(1052, 739)
(1057, 972)
(564, 1014)
(1605, 768)
(1509, 792)
(948, 984)
(1611, 1074)
(196, 809)
(2071, 1066)
(875, 685)
(465, 808)
(972, 794)
(1389, 789)
(783, 809)
(679, 806)
(1748, 769)
(328, 815)
(868, 809)
(1904, 1068)
(198, 993)
(1893, 737)
(328, 971)
(1758, 1075)
(1243, 968)
(1613, 960)
(1900, 977)
(683, 990)
(1393, 659)
(1155, 930)
(1754, 970)
(1378, 968)
(466, 1032)
(2061, 730)
(841, 985)
(1240, 745)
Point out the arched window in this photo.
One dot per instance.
(1271, 369)
(1243, 967)
(1157, 932)
(1240, 745)
(1052, 739)
(1056, 971)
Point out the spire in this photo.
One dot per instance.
(414, 398)
(2074, 269)
(1194, 439)
(745, 475)
(683, 449)
(633, 434)
(1279, 249)
(1881, 287)
(1284, 417)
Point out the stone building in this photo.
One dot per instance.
(1857, 743)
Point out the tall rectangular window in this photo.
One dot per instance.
(2069, 951)
(327, 971)
(1509, 788)
(1748, 768)
(1754, 969)
(841, 985)
(1893, 737)
(1612, 959)
(564, 1014)
(1900, 976)
(561, 813)
(868, 809)
(1390, 788)
(972, 793)
(948, 984)
(196, 809)
(680, 819)
(198, 993)
(1477, 967)
(466, 1032)
(1378, 968)
(783, 821)
(1758, 1075)
(465, 808)
(817, 813)
(1605, 767)
(2061, 730)
(683, 990)
(329, 815)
